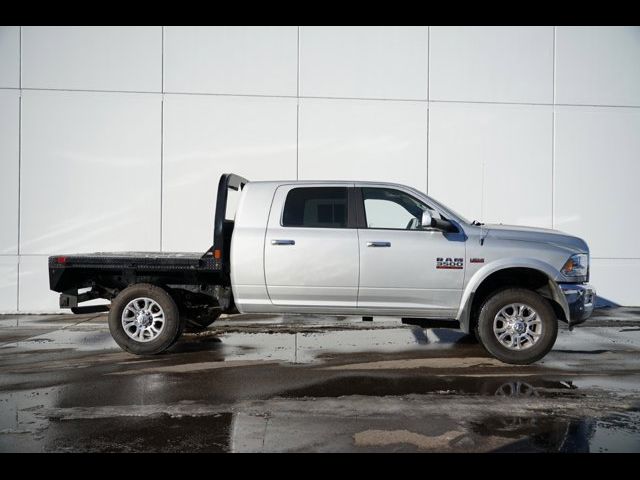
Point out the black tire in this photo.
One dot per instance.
(489, 339)
(173, 327)
(194, 325)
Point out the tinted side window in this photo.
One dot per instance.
(324, 207)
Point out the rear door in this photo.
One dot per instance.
(311, 247)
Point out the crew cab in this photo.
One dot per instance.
(343, 248)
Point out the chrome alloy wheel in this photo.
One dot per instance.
(517, 326)
(143, 319)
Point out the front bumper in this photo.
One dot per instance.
(581, 299)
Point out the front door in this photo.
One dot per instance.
(311, 247)
(402, 266)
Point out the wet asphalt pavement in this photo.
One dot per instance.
(309, 383)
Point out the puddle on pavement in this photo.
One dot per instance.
(308, 347)
(191, 372)
(24, 428)
(597, 338)
(286, 347)
(323, 338)
(614, 433)
(311, 427)
(363, 349)
(20, 427)
(152, 413)
(622, 384)
(163, 434)
(396, 385)
(66, 339)
(572, 349)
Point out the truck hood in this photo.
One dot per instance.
(540, 235)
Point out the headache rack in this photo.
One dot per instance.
(223, 228)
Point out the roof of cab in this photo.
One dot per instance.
(333, 182)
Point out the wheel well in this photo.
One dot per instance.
(520, 277)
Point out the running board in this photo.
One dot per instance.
(431, 322)
(91, 309)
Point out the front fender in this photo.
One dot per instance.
(555, 292)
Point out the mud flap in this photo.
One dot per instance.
(557, 295)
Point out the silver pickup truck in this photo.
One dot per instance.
(343, 248)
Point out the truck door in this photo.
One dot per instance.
(311, 247)
(402, 266)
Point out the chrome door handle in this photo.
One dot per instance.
(283, 242)
(378, 244)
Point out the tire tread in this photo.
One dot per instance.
(174, 323)
(490, 308)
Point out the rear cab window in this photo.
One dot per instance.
(316, 207)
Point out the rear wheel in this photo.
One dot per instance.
(144, 319)
(517, 326)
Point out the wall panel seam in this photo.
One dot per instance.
(87, 90)
(298, 140)
(553, 135)
(428, 99)
(19, 167)
(20, 57)
(298, 65)
(162, 59)
(161, 132)
(243, 95)
(161, 166)
(298, 108)
(428, 145)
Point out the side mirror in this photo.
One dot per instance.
(436, 223)
(427, 219)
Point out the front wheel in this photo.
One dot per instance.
(144, 319)
(517, 326)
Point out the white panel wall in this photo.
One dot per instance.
(364, 62)
(9, 175)
(90, 176)
(113, 138)
(9, 57)
(231, 60)
(205, 137)
(597, 171)
(492, 64)
(616, 279)
(492, 162)
(598, 65)
(9, 170)
(362, 140)
(92, 58)
(8, 283)
(34, 294)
